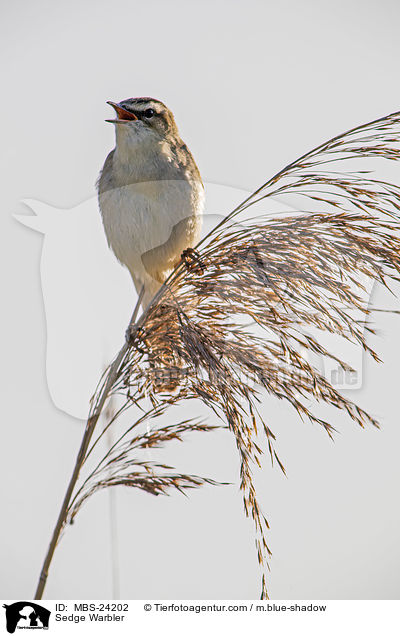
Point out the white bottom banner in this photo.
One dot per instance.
(200, 617)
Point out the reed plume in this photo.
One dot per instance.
(239, 316)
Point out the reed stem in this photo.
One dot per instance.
(89, 429)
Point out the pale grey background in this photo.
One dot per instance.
(253, 85)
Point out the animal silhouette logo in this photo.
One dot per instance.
(88, 297)
(26, 615)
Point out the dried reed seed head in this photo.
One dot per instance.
(293, 277)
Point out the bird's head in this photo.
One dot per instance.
(143, 119)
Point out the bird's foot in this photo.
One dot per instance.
(193, 261)
(130, 334)
(133, 333)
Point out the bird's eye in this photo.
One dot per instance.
(149, 112)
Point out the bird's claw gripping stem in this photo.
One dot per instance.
(193, 261)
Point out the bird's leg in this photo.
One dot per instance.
(192, 260)
(128, 332)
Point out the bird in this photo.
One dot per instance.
(150, 193)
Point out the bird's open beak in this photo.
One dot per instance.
(122, 114)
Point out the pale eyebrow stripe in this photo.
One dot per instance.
(140, 108)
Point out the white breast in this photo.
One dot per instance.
(149, 224)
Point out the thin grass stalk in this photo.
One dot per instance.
(93, 418)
